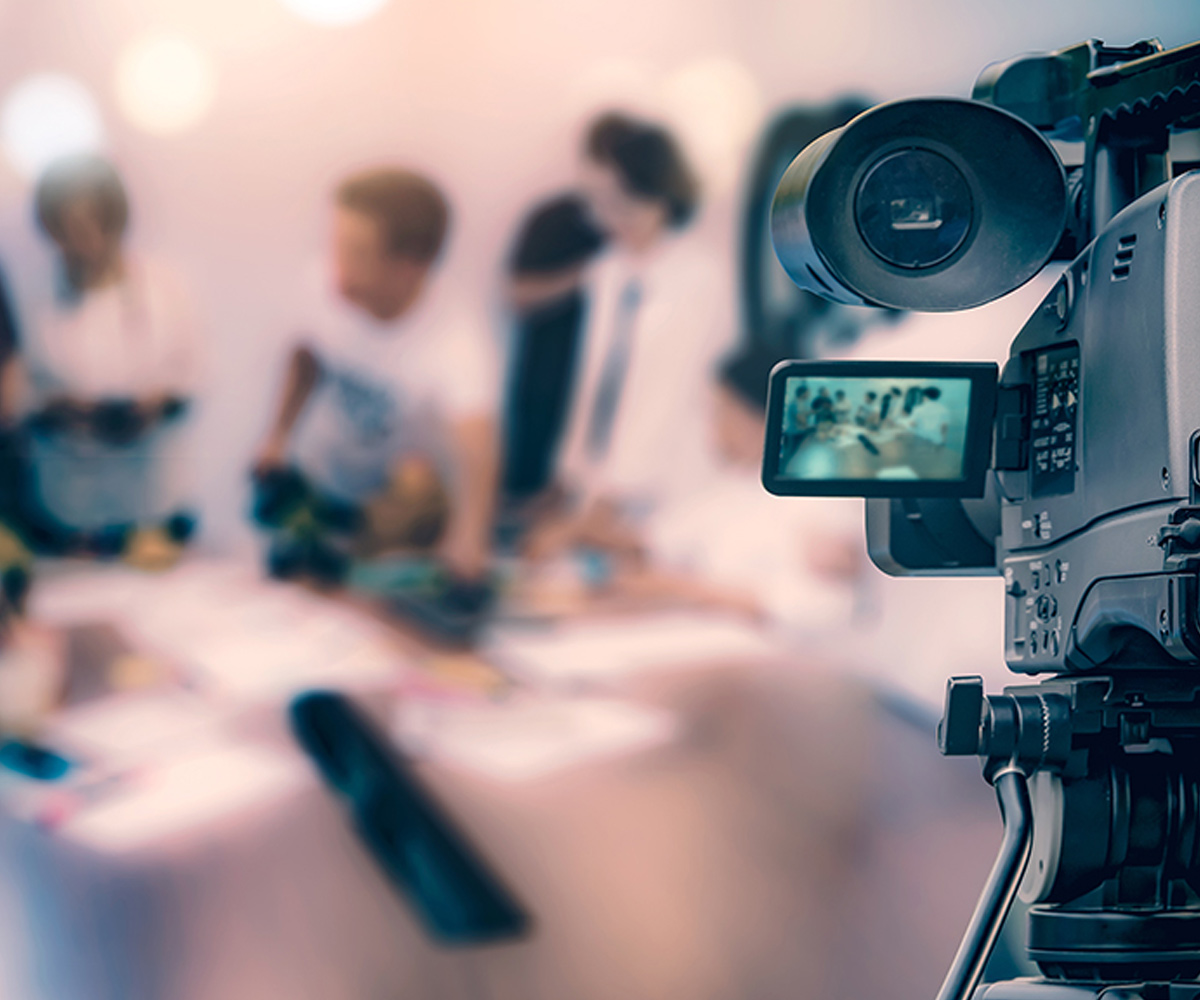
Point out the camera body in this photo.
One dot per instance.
(1074, 473)
(943, 204)
(1095, 452)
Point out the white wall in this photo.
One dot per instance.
(489, 96)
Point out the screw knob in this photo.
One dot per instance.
(958, 732)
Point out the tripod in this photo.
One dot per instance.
(1098, 781)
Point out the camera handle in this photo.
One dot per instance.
(1012, 793)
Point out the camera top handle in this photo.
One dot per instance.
(1121, 101)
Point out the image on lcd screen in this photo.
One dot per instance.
(880, 428)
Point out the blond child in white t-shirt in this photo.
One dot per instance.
(385, 432)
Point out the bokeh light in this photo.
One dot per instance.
(46, 116)
(334, 12)
(164, 83)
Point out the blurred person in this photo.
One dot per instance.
(890, 407)
(547, 298)
(819, 454)
(8, 356)
(841, 407)
(31, 656)
(13, 478)
(14, 556)
(730, 545)
(660, 315)
(112, 370)
(797, 418)
(867, 415)
(384, 437)
(799, 411)
(931, 419)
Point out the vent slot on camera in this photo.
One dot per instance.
(1123, 260)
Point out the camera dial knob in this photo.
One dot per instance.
(959, 730)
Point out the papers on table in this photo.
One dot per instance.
(536, 732)
(527, 736)
(85, 594)
(186, 795)
(227, 628)
(167, 762)
(150, 767)
(134, 726)
(616, 649)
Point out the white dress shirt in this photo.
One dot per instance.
(679, 324)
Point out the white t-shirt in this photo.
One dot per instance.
(392, 388)
(682, 324)
(131, 340)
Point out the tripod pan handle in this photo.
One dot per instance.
(1012, 792)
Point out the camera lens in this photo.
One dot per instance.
(913, 208)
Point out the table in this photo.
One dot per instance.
(796, 840)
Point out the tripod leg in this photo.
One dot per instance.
(1012, 792)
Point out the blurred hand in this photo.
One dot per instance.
(603, 526)
(62, 415)
(550, 538)
(464, 557)
(161, 406)
(272, 455)
(600, 526)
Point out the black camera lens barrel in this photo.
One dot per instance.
(932, 204)
(913, 208)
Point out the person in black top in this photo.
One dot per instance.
(547, 294)
(13, 480)
(548, 301)
(8, 327)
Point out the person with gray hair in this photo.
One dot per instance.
(112, 366)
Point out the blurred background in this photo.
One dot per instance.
(232, 121)
(720, 785)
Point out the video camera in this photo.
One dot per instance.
(1074, 473)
